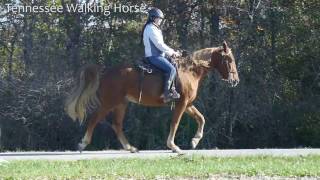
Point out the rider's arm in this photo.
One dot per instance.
(157, 39)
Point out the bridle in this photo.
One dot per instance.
(226, 61)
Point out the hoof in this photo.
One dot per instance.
(81, 147)
(177, 150)
(133, 150)
(194, 142)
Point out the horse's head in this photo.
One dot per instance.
(224, 62)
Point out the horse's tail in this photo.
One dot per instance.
(84, 95)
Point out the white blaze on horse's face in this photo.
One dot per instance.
(230, 73)
(233, 77)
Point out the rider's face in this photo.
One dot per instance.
(158, 21)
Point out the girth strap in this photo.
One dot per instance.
(141, 76)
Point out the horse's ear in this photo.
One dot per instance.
(225, 46)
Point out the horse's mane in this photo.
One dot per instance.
(199, 58)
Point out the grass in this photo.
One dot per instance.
(195, 167)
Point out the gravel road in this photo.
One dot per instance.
(108, 154)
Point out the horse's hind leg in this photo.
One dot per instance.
(196, 115)
(93, 121)
(117, 125)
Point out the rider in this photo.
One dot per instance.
(155, 50)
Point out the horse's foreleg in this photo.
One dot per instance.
(93, 121)
(178, 112)
(196, 115)
(117, 125)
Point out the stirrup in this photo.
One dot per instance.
(167, 97)
(175, 94)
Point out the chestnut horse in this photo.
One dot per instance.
(113, 89)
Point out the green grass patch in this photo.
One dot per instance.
(194, 166)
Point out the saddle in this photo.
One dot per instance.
(146, 68)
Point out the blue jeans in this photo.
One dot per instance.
(164, 65)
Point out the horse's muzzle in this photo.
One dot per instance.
(233, 83)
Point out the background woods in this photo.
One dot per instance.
(275, 43)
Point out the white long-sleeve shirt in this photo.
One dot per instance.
(153, 42)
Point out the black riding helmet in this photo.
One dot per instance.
(155, 13)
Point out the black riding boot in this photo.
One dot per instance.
(175, 94)
(169, 95)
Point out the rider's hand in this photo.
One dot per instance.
(176, 54)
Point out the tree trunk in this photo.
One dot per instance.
(184, 14)
(28, 41)
(72, 23)
(215, 20)
(11, 49)
(202, 26)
